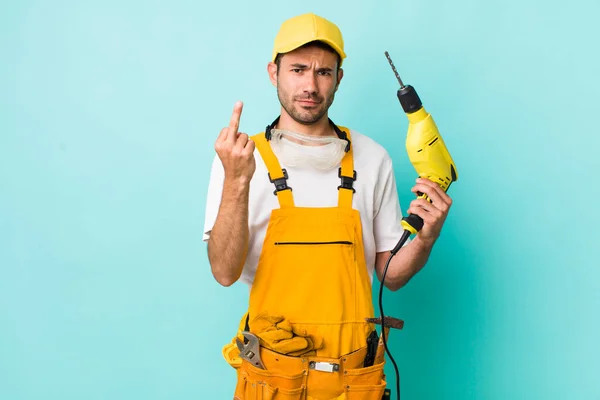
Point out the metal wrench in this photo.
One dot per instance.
(250, 351)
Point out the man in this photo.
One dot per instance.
(304, 213)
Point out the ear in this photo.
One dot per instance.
(272, 70)
(340, 75)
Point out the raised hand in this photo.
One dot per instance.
(236, 150)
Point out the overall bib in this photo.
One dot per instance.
(311, 289)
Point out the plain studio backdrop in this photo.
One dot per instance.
(108, 115)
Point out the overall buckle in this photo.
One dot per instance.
(347, 181)
(280, 183)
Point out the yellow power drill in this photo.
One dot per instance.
(430, 158)
(425, 147)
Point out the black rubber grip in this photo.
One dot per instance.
(415, 221)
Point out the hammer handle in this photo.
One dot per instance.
(380, 346)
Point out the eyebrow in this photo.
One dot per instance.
(303, 66)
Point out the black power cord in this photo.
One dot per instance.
(395, 250)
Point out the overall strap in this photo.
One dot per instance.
(347, 174)
(277, 175)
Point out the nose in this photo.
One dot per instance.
(310, 83)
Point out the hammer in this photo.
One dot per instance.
(390, 322)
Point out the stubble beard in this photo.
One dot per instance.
(304, 117)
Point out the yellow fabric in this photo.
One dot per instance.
(284, 196)
(305, 28)
(309, 300)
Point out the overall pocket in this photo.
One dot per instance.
(319, 293)
(259, 384)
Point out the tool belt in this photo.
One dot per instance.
(310, 378)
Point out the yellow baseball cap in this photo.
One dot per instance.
(305, 28)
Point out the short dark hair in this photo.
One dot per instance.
(315, 43)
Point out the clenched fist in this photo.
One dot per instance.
(235, 150)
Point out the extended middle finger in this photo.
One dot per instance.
(234, 122)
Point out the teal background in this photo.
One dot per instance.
(108, 115)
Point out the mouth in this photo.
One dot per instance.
(308, 103)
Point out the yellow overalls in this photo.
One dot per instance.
(312, 289)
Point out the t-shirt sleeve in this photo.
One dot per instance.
(213, 196)
(386, 225)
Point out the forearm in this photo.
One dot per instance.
(228, 243)
(405, 264)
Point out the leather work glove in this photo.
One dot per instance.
(230, 351)
(276, 333)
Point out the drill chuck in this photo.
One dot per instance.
(409, 99)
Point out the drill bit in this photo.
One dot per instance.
(394, 69)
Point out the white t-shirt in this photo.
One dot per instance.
(376, 199)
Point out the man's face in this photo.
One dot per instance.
(306, 80)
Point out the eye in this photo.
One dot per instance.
(296, 70)
(324, 72)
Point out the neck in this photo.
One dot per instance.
(319, 128)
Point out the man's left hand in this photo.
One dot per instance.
(433, 214)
